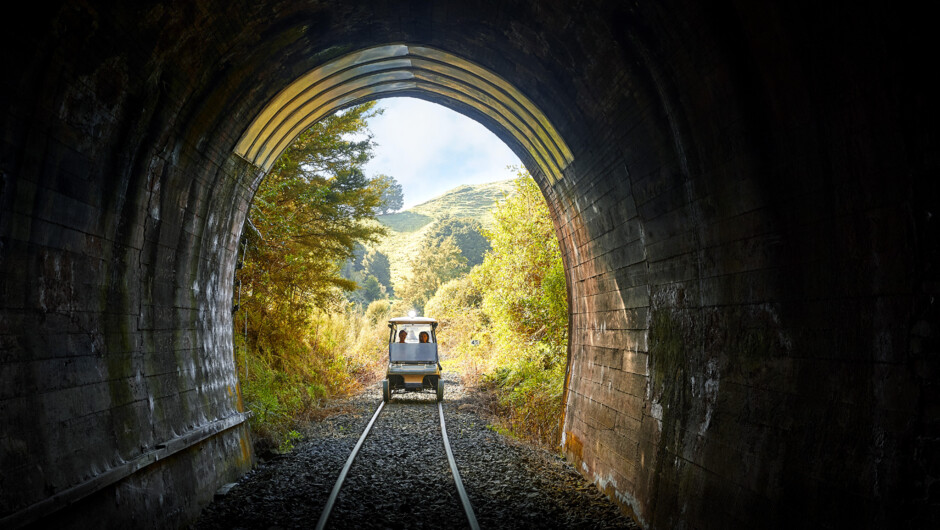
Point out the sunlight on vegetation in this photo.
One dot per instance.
(505, 323)
(301, 345)
(318, 283)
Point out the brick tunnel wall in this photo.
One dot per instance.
(749, 313)
(753, 320)
(746, 230)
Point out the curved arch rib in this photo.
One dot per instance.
(396, 68)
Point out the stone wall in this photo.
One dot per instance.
(748, 232)
(750, 314)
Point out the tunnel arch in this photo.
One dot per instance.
(394, 69)
(745, 220)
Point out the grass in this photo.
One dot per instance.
(405, 222)
(333, 355)
(473, 201)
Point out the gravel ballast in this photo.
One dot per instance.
(401, 477)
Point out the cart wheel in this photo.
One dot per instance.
(386, 393)
(440, 390)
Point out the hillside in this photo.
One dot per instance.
(473, 201)
(469, 200)
(408, 228)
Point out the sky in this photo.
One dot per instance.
(430, 149)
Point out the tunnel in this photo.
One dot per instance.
(745, 194)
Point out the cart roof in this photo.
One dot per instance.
(412, 320)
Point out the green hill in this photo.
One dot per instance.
(472, 201)
(408, 228)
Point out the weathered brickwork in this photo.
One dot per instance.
(748, 227)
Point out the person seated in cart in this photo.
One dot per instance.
(413, 361)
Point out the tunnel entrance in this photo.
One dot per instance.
(500, 299)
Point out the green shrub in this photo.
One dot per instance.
(528, 397)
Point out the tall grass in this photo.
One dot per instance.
(287, 382)
(528, 399)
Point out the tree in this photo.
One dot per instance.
(467, 233)
(393, 197)
(431, 267)
(371, 271)
(326, 148)
(306, 218)
(457, 306)
(371, 290)
(310, 216)
(377, 265)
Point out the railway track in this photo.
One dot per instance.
(461, 491)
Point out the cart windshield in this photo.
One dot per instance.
(411, 333)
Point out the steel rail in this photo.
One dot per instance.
(321, 523)
(467, 508)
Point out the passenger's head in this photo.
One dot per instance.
(401, 335)
(423, 336)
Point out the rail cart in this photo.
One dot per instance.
(413, 362)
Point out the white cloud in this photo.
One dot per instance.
(430, 149)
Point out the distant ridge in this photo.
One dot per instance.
(468, 200)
